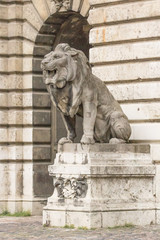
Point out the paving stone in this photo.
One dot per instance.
(31, 228)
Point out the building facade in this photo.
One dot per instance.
(121, 39)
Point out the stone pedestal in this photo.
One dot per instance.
(101, 185)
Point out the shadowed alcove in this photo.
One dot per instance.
(62, 27)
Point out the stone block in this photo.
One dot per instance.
(15, 64)
(3, 99)
(42, 8)
(135, 91)
(27, 81)
(155, 152)
(3, 156)
(37, 65)
(3, 134)
(3, 64)
(42, 182)
(41, 100)
(29, 32)
(42, 50)
(28, 152)
(85, 8)
(3, 117)
(95, 2)
(142, 111)
(27, 64)
(125, 32)
(15, 29)
(116, 178)
(15, 99)
(14, 82)
(145, 131)
(38, 83)
(57, 218)
(27, 135)
(32, 16)
(139, 217)
(149, 70)
(15, 11)
(76, 5)
(45, 39)
(28, 99)
(4, 30)
(41, 153)
(3, 12)
(41, 135)
(28, 181)
(15, 47)
(42, 118)
(124, 12)
(28, 47)
(3, 47)
(125, 52)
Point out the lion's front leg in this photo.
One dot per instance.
(89, 117)
(70, 127)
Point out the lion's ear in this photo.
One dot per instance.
(72, 52)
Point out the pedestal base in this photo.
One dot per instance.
(101, 185)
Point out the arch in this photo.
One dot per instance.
(64, 25)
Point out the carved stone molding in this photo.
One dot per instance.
(71, 187)
(62, 4)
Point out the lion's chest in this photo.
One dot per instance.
(63, 98)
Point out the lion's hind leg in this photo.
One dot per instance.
(119, 128)
(101, 131)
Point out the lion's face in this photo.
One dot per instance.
(55, 70)
(58, 68)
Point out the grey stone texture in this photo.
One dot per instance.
(32, 228)
(102, 185)
(75, 90)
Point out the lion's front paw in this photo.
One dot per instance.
(87, 140)
(64, 140)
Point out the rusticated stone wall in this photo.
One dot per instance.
(29, 30)
(126, 55)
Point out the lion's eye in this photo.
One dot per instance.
(56, 56)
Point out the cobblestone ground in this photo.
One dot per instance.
(31, 228)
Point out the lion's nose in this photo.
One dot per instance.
(47, 81)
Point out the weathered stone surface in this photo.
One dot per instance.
(41, 100)
(85, 8)
(125, 52)
(125, 12)
(29, 32)
(103, 1)
(116, 178)
(30, 13)
(87, 96)
(142, 111)
(125, 32)
(42, 118)
(39, 132)
(42, 8)
(135, 91)
(145, 131)
(42, 153)
(76, 5)
(128, 71)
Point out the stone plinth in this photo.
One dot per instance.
(101, 185)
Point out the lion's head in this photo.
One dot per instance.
(63, 65)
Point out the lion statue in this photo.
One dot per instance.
(75, 90)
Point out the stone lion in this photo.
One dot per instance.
(75, 90)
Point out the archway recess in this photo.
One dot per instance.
(64, 25)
